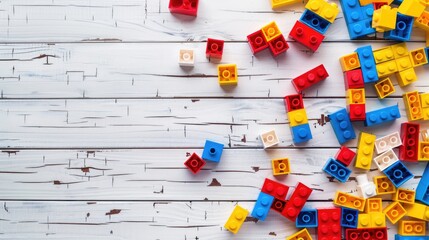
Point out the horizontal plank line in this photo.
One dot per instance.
(144, 201)
(173, 98)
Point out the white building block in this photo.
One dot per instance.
(269, 139)
(386, 159)
(387, 142)
(366, 189)
(186, 57)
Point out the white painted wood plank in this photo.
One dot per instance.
(149, 20)
(160, 175)
(151, 70)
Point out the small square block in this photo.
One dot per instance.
(301, 133)
(227, 74)
(269, 139)
(186, 58)
(195, 163)
(214, 48)
(212, 151)
(345, 155)
(349, 217)
(281, 166)
(294, 102)
(278, 45)
(257, 42)
(307, 218)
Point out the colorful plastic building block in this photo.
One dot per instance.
(236, 219)
(360, 29)
(366, 189)
(329, 221)
(227, 74)
(276, 4)
(384, 88)
(383, 55)
(278, 205)
(373, 205)
(302, 234)
(365, 150)
(212, 151)
(371, 220)
(349, 217)
(382, 115)
(385, 160)
(310, 78)
(356, 96)
(294, 102)
(262, 206)
(326, 10)
(402, 32)
(409, 149)
(384, 19)
(423, 21)
(337, 170)
(384, 185)
(423, 151)
(340, 122)
(412, 105)
(307, 218)
(353, 12)
(398, 173)
(306, 36)
(296, 202)
(412, 228)
(214, 48)
(367, 63)
(297, 117)
(343, 199)
(424, 100)
(278, 45)
(404, 63)
(353, 79)
(301, 133)
(315, 21)
(269, 139)
(186, 57)
(257, 42)
(422, 190)
(275, 189)
(418, 57)
(404, 196)
(195, 163)
(366, 233)
(406, 77)
(394, 212)
(186, 7)
(386, 68)
(399, 50)
(345, 155)
(417, 210)
(349, 62)
(411, 8)
(280, 166)
(357, 112)
(271, 31)
(387, 142)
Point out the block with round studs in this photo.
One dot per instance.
(269, 139)
(281, 166)
(384, 88)
(236, 220)
(227, 74)
(195, 163)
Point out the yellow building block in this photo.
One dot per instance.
(412, 228)
(424, 100)
(383, 185)
(384, 18)
(399, 50)
(281, 166)
(371, 220)
(365, 150)
(301, 235)
(394, 212)
(387, 68)
(349, 62)
(406, 77)
(425, 113)
(404, 63)
(297, 117)
(412, 105)
(417, 210)
(276, 4)
(425, 2)
(383, 55)
(411, 8)
(404, 196)
(363, 220)
(355, 96)
(373, 205)
(349, 201)
(423, 22)
(227, 74)
(384, 88)
(423, 151)
(271, 31)
(327, 10)
(418, 57)
(236, 219)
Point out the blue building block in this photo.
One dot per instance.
(340, 122)
(337, 170)
(352, 11)
(360, 29)
(368, 11)
(382, 115)
(301, 133)
(427, 52)
(307, 218)
(422, 190)
(400, 237)
(367, 63)
(315, 21)
(212, 151)
(349, 217)
(402, 32)
(398, 173)
(262, 206)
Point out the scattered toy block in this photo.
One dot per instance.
(385, 160)
(186, 58)
(262, 206)
(186, 7)
(423, 151)
(296, 202)
(294, 102)
(382, 115)
(297, 117)
(404, 196)
(402, 32)
(227, 74)
(387, 142)
(398, 173)
(315, 21)
(271, 31)
(214, 48)
(373, 205)
(301, 133)
(366, 189)
(306, 36)
(310, 78)
(353, 79)
(275, 189)
(384, 19)
(302, 234)
(340, 122)
(281, 166)
(343, 199)
(417, 210)
(327, 10)
(349, 62)
(365, 150)
(257, 42)
(408, 151)
(277, 4)
(406, 77)
(269, 139)
(337, 170)
(412, 228)
(278, 45)
(329, 223)
(367, 62)
(349, 218)
(212, 151)
(394, 212)
(384, 54)
(236, 219)
(307, 218)
(418, 57)
(195, 163)
(345, 155)
(384, 185)
(384, 88)
(412, 105)
(412, 8)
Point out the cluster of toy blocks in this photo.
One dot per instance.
(413, 149)
(298, 120)
(212, 152)
(269, 36)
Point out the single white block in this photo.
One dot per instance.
(186, 58)
(387, 142)
(386, 159)
(366, 189)
(269, 139)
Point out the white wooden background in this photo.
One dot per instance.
(97, 118)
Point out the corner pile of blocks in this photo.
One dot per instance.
(356, 216)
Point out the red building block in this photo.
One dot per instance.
(329, 224)
(195, 163)
(357, 112)
(275, 189)
(353, 79)
(278, 205)
(378, 5)
(408, 151)
(310, 78)
(294, 102)
(296, 202)
(257, 41)
(278, 45)
(306, 36)
(345, 155)
(214, 48)
(366, 234)
(187, 7)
